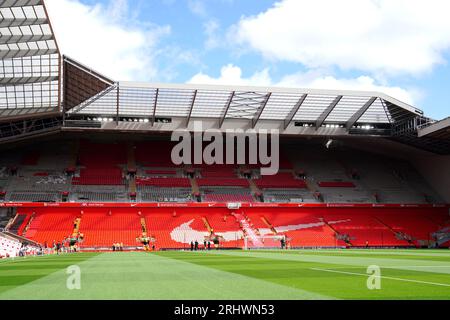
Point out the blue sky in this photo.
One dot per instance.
(400, 47)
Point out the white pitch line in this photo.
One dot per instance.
(394, 267)
(390, 278)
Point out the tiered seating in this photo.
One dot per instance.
(112, 176)
(49, 227)
(164, 182)
(219, 183)
(158, 194)
(102, 229)
(284, 162)
(336, 184)
(31, 180)
(164, 226)
(156, 154)
(39, 175)
(217, 197)
(230, 182)
(101, 162)
(103, 193)
(161, 172)
(363, 227)
(33, 196)
(223, 222)
(218, 171)
(288, 195)
(306, 236)
(305, 227)
(99, 155)
(30, 158)
(418, 226)
(96, 196)
(281, 180)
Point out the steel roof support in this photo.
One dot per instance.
(230, 100)
(327, 111)
(294, 111)
(154, 107)
(351, 122)
(191, 107)
(117, 105)
(260, 110)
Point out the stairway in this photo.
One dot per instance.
(26, 225)
(131, 167)
(16, 223)
(144, 227)
(76, 228)
(392, 230)
(207, 225)
(312, 189)
(442, 236)
(269, 225)
(337, 234)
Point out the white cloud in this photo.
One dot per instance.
(232, 75)
(198, 8)
(106, 39)
(362, 83)
(210, 28)
(379, 36)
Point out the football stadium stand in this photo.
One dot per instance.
(174, 227)
(81, 153)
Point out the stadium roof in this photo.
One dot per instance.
(42, 91)
(29, 60)
(254, 104)
(438, 130)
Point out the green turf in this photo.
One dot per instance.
(305, 274)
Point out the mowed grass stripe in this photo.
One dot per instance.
(298, 273)
(393, 252)
(382, 255)
(221, 275)
(348, 260)
(152, 276)
(21, 271)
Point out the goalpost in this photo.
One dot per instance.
(264, 242)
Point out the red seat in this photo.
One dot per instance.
(336, 184)
(164, 182)
(283, 180)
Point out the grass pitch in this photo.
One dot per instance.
(291, 275)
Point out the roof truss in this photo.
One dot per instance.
(313, 107)
(351, 122)
(327, 111)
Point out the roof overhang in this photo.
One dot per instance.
(439, 129)
(255, 105)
